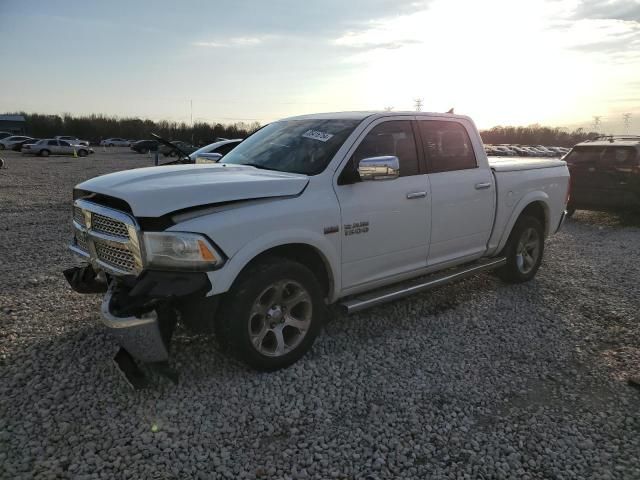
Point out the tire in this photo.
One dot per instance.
(144, 150)
(524, 251)
(272, 314)
(44, 153)
(82, 153)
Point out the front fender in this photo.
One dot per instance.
(223, 279)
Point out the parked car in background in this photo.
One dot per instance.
(115, 142)
(7, 143)
(53, 146)
(144, 146)
(214, 151)
(521, 152)
(17, 147)
(5, 134)
(605, 174)
(504, 151)
(172, 152)
(72, 140)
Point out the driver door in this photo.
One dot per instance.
(385, 223)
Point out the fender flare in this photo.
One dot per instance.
(222, 279)
(528, 199)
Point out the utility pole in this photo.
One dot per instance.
(191, 104)
(596, 123)
(418, 102)
(627, 122)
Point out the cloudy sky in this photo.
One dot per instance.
(555, 62)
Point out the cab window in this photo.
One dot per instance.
(393, 138)
(447, 146)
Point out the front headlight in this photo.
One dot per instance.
(180, 250)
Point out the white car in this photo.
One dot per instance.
(72, 140)
(52, 146)
(115, 142)
(8, 143)
(214, 151)
(351, 208)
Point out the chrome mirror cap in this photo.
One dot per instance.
(379, 168)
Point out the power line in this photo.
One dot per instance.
(418, 102)
(627, 122)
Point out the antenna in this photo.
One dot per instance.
(418, 102)
(627, 122)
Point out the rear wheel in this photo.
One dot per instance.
(524, 251)
(82, 153)
(44, 153)
(272, 315)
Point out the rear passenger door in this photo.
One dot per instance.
(462, 193)
(53, 147)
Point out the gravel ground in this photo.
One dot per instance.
(475, 380)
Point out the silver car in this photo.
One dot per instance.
(115, 142)
(51, 146)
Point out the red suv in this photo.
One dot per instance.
(605, 174)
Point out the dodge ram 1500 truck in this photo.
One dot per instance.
(353, 208)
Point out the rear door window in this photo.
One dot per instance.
(447, 146)
(52, 143)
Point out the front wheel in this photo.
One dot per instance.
(44, 153)
(523, 251)
(272, 315)
(82, 153)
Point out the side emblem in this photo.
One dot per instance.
(356, 228)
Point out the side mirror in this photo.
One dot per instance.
(379, 168)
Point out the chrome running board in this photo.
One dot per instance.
(365, 300)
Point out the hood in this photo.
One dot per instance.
(156, 191)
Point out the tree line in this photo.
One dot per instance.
(536, 135)
(98, 127)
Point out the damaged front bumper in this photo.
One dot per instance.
(141, 312)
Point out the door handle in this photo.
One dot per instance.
(412, 195)
(482, 186)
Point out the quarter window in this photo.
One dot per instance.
(447, 146)
(393, 138)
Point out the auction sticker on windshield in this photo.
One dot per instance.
(316, 135)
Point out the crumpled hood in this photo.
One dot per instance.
(156, 191)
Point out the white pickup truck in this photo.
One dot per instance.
(353, 209)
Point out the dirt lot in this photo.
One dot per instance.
(475, 380)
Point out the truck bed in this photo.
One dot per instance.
(510, 164)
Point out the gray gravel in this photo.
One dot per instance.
(475, 380)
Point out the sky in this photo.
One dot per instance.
(502, 62)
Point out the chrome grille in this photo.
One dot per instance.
(118, 257)
(81, 242)
(109, 226)
(78, 215)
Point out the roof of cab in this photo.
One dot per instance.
(372, 113)
(609, 140)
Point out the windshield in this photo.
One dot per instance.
(295, 146)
